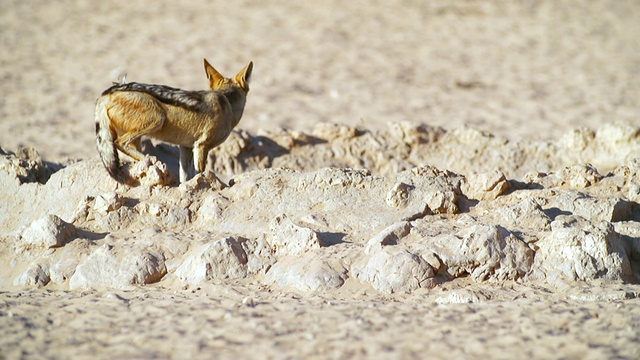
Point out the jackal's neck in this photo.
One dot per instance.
(237, 98)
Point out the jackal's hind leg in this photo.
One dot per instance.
(130, 145)
(148, 119)
(186, 163)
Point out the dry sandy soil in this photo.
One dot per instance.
(479, 198)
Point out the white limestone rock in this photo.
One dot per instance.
(113, 267)
(35, 275)
(259, 255)
(389, 236)
(288, 239)
(150, 172)
(424, 191)
(48, 232)
(485, 186)
(394, 269)
(527, 214)
(307, 272)
(595, 208)
(580, 250)
(578, 176)
(221, 259)
(107, 202)
(486, 252)
(202, 181)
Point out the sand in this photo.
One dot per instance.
(499, 78)
(247, 321)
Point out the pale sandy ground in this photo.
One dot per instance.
(530, 69)
(233, 321)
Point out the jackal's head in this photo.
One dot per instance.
(219, 82)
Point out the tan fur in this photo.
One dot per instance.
(197, 121)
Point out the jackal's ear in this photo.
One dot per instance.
(244, 76)
(212, 74)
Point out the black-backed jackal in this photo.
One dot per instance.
(197, 121)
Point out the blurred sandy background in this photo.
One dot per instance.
(525, 68)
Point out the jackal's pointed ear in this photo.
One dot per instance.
(212, 74)
(244, 76)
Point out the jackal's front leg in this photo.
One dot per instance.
(186, 163)
(200, 152)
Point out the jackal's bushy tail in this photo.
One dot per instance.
(105, 140)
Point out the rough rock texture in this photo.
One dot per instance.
(485, 252)
(407, 145)
(287, 238)
(106, 268)
(149, 172)
(425, 190)
(596, 208)
(486, 186)
(26, 165)
(221, 259)
(393, 269)
(389, 236)
(307, 272)
(314, 212)
(577, 249)
(48, 232)
(35, 275)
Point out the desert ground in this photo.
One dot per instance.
(410, 180)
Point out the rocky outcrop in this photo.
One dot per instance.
(386, 210)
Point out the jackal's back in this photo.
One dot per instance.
(188, 100)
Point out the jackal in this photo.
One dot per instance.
(197, 121)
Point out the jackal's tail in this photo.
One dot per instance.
(105, 140)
